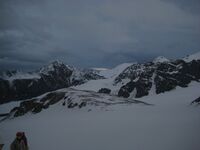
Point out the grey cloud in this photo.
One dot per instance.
(93, 32)
(191, 6)
(12, 64)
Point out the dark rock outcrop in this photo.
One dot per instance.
(68, 99)
(165, 76)
(104, 90)
(36, 106)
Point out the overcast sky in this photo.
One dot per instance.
(96, 33)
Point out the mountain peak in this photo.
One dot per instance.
(56, 63)
(52, 67)
(160, 59)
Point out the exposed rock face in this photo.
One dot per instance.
(35, 106)
(56, 75)
(140, 76)
(163, 76)
(178, 73)
(104, 90)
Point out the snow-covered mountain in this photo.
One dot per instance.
(126, 80)
(103, 113)
(158, 76)
(15, 85)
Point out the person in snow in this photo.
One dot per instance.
(1, 143)
(20, 142)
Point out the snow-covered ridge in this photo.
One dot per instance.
(100, 69)
(160, 59)
(111, 73)
(69, 97)
(192, 57)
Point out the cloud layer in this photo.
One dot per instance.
(96, 33)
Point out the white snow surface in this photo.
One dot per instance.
(160, 59)
(195, 56)
(96, 85)
(110, 75)
(171, 124)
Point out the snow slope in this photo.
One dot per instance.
(195, 56)
(96, 85)
(171, 124)
(111, 73)
(5, 108)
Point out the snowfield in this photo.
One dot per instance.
(170, 124)
(110, 75)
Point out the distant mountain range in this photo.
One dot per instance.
(15, 85)
(126, 80)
